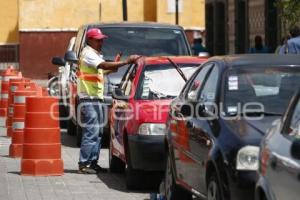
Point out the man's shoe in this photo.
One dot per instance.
(97, 168)
(86, 170)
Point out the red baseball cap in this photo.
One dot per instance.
(95, 33)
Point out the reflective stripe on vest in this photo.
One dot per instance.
(91, 81)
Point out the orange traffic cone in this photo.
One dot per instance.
(6, 76)
(23, 91)
(13, 85)
(42, 146)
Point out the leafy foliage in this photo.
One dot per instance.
(289, 12)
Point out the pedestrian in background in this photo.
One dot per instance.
(92, 67)
(283, 41)
(292, 46)
(259, 46)
(198, 46)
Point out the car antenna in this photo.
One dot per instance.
(178, 69)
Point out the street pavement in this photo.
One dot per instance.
(71, 185)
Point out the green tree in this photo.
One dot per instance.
(289, 12)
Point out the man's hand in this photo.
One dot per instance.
(132, 58)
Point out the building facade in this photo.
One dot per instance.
(36, 30)
(232, 25)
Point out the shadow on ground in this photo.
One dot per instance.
(68, 140)
(149, 182)
(17, 173)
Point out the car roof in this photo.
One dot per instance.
(155, 60)
(258, 60)
(133, 24)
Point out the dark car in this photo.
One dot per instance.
(279, 166)
(147, 38)
(217, 122)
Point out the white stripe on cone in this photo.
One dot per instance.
(4, 96)
(7, 78)
(19, 99)
(18, 125)
(3, 121)
(3, 130)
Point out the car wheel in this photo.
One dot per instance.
(173, 191)
(213, 188)
(71, 127)
(63, 114)
(133, 176)
(116, 165)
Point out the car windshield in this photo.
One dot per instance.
(143, 41)
(267, 88)
(162, 81)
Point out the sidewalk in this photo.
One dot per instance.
(71, 185)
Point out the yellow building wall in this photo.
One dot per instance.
(112, 10)
(66, 14)
(57, 14)
(9, 22)
(192, 15)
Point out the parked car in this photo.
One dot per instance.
(139, 112)
(217, 122)
(57, 85)
(128, 38)
(279, 166)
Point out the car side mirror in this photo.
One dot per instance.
(71, 57)
(119, 95)
(58, 61)
(295, 149)
(107, 100)
(186, 110)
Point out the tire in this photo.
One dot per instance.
(173, 191)
(133, 177)
(63, 114)
(213, 188)
(116, 165)
(71, 127)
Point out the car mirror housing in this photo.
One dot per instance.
(295, 149)
(58, 61)
(107, 100)
(186, 110)
(71, 57)
(119, 95)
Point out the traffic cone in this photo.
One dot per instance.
(42, 146)
(23, 91)
(13, 85)
(8, 74)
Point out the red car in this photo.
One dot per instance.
(139, 112)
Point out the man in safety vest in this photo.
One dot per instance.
(92, 67)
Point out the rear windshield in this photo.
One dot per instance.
(143, 41)
(271, 87)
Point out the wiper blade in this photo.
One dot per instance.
(178, 69)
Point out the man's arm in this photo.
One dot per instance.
(112, 65)
(115, 65)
